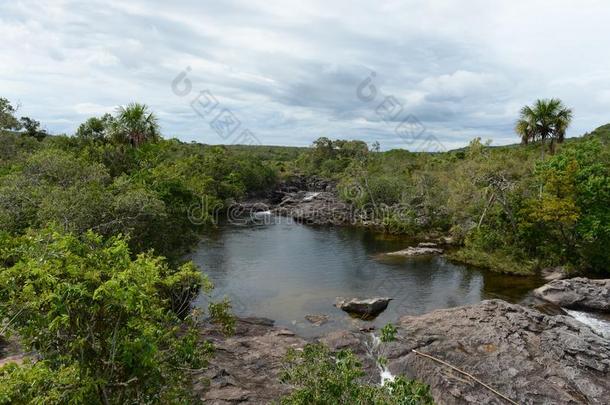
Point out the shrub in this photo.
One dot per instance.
(108, 328)
(320, 377)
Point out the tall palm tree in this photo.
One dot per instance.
(135, 124)
(547, 118)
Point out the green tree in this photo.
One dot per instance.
(546, 119)
(32, 128)
(107, 328)
(569, 223)
(7, 116)
(95, 129)
(135, 124)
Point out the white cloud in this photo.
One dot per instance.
(289, 70)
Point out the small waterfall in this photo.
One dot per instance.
(599, 326)
(372, 348)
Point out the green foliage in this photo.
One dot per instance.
(96, 129)
(388, 333)
(134, 125)
(329, 158)
(161, 194)
(509, 210)
(109, 328)
(320, 377)
(42, 383)
(545, 119)
(8, 121)
(32, 128)
(569, 221)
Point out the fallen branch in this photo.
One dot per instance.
(466, 374)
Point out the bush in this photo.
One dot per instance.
(320, 377)
(107, 328)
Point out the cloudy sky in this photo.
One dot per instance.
(291, 71)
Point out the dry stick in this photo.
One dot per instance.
(466, 374)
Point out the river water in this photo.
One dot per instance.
(285, 271)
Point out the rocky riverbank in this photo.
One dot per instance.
(577, 293)
(528, 356)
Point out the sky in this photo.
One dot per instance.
(420, 75)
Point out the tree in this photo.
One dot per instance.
(95, 129)
(106, 328)
(32, 128)
(7, 116)
(135, 124)
(547, 118)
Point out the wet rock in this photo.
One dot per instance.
(317, 319)
(364, 308)
(577, 293)
(17, 359)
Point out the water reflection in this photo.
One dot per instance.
(286, 271)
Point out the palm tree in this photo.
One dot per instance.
(135, 124)
(547, 118)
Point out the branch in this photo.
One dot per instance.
(466, 374)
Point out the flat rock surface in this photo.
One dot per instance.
(246, 367)
(530, 357)
(577, 293)
(416, 251)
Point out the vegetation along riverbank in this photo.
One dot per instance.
(94, 228)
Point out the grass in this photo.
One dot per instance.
(497, 261)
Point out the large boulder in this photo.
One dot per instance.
(577, 293)
(363, 308)
(530, 357)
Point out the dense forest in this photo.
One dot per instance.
(94, 227)
(513, 209)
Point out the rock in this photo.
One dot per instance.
(315, 208)
(246, 367)
(365, 308)
(529, 357)
(553, 273)
(416, 251)
(17, 359)
(341, 339)
(427, 244)
(317, 319)
(577, 293)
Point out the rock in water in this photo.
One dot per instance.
(366, 308)
(317, 319)
(423, 249)
(577, 293)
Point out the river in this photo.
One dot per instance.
(285, 271)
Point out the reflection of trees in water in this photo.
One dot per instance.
(277, 269)
(508, 287)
